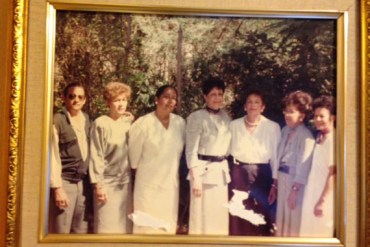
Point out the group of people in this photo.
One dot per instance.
(286, 177)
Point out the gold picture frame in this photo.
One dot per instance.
(365, 124)
(15, 93)
(53, 8)
(16, 225)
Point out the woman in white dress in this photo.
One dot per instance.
(207, 144)
(156, 142)
(318, 199)
(109, 170)
(295, 157)
(254, 142)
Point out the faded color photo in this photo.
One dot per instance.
(219, 115)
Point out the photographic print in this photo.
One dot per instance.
(193, 124)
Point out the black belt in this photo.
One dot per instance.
(211, 158)
(284, 169)
(238, 162)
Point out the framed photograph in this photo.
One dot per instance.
(146, 46)
(276, 53)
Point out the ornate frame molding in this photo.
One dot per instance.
(341, 75)
(17, 113)
(16, 120)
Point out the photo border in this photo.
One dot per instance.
(341, 17)
(17, 136)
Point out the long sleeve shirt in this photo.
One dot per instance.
(109, 150)
(208, 134)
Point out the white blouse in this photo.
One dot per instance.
(258, 146)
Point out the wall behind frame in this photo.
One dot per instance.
(36, 86)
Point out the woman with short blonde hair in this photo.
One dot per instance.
(109, 169)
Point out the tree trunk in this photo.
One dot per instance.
(179, 69)
(128, 46)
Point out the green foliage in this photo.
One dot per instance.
(276, 56)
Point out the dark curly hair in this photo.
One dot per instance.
(325, 101)
(162, 89)
(255, 92)
(212, 82)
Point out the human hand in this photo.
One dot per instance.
(292, 198)
(272, 195)
(61, 198)
(196, 182)
(129, 115)
(100, 194)
(196, 187)
(318, 210)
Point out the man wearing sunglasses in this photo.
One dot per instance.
(70, 189)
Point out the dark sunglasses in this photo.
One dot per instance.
(73, 96)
